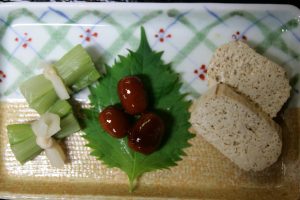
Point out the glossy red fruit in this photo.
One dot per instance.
(133, 95)
(114, 121)
(146, 135)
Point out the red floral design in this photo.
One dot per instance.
(237, 36)
(88, 34)
(162, 35)
(25, 40)
(2, 75)
(201, 72)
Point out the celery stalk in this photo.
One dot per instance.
(35, 87)
(22, 142)
(75, 68)
(26, 150)
(18, 133)
(39, 93)
(61, 108)
(77, 71)
(76, 65)
(42, 104)
(68, 126)
(86, 80)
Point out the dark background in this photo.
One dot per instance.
(232, 1)
(293, 2)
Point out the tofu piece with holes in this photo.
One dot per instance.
(237, 128)
(251, 74)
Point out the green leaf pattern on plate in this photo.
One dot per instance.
(190, 35)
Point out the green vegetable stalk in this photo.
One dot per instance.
(77, 71)
(75, 68)
(23, 141)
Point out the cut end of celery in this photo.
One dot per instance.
(39, 93)
(22, 142)
(18, 133)
(69, 125)
(61, 108)
(77, 69)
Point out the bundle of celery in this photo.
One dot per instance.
(77, 71)
(23, 140)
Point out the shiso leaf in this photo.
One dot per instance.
(163, 85)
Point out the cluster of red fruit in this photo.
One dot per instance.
(146, 133)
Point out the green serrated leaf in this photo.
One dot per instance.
(163, 85)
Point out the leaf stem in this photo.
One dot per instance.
(132, 177)
(132, 184)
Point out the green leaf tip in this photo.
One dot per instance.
(144, 44)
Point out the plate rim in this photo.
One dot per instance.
(127, 6)
(136, 5)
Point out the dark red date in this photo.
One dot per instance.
(114, 121)
(146, 135)
(132, 94)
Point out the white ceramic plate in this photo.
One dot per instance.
(34, 33)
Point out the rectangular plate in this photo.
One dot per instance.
(33, 33)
